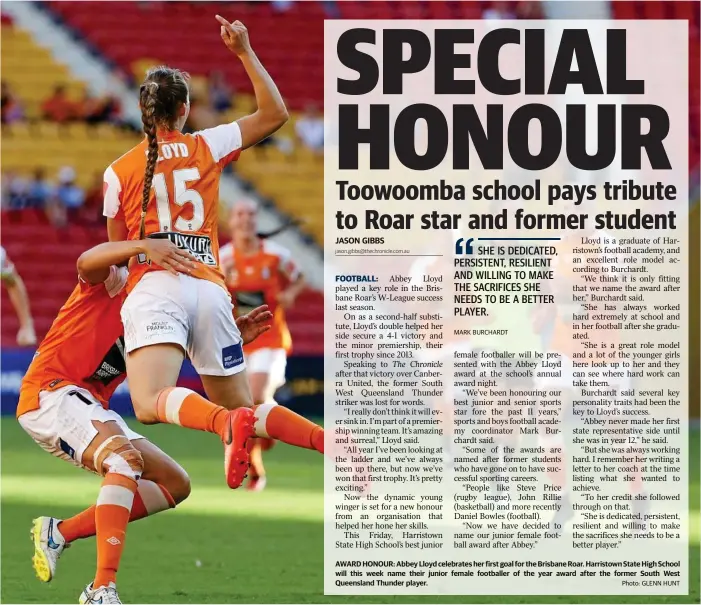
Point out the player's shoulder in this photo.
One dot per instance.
(222, 141)
(272, 248)
(125, 163)
(193, 144)
(7, 269)
(113, 285)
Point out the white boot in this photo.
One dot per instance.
(48, 546)
(103, 594)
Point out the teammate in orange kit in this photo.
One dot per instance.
(63, 406)
(259, 271)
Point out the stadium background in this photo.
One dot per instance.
(103, 48)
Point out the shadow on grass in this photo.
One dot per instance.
(173, 558)
(242, 558)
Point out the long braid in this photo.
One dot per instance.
(161, 97)
(149, 99)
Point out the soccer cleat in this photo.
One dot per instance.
(85, 594)
(103, 595)
(48, 546)
(256, 484)
(239, 428)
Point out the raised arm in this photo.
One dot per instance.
(94, 264)
(271, 113)
(20, 301)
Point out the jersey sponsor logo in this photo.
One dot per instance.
(112, 366)
(232, 356)
(156, 330)
(200, 246)
(159, 326)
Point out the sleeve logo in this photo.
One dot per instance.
(232, 356)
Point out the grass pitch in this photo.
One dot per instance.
(217, 547)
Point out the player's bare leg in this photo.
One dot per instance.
(163, 485)
(272, 421)
(153, 371)
(161, 469)
(49, 541)
(114, 457)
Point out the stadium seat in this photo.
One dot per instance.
(31, 71)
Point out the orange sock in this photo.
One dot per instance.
(184, 407)
(112, 512)
(150, 498)
(281, 423)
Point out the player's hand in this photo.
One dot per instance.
(26, 336)
(166, 254)
(255, 323)
(234, 35)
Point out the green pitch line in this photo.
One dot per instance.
(218, 547)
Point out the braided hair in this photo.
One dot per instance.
(161, 95)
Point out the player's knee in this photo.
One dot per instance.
(145, 403)
(180, 487)
(245, 399)
(126, 460)
(145, 411)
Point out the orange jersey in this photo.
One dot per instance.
(257, 279)
(184, 195)
(84, 346)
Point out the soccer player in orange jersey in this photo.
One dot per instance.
(63, 406)
(168, 187)
(259, 271)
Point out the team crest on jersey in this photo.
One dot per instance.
(265, 272)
